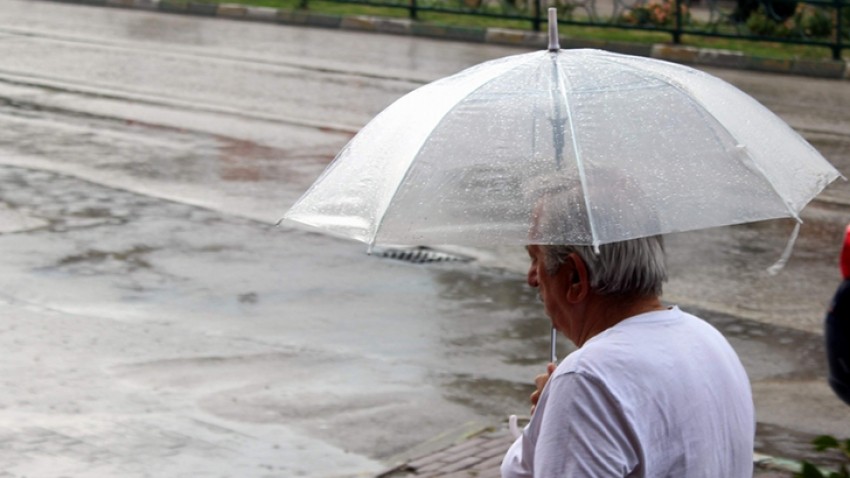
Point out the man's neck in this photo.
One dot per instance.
(604, 312)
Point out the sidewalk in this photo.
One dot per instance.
(501, 36)
(480, 456)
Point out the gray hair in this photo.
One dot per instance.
(636, 267)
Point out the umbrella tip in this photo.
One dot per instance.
(553, 29)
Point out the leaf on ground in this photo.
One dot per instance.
(825, 442)
(809, 471)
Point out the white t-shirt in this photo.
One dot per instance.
(660, 394)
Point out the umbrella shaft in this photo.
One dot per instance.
(553, 354)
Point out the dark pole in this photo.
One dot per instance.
(839, 40)
(413, 9)
(536, 20)
(677, 32)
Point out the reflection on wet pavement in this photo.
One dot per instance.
(498, 302)
(485, 394)
(86, 263)
(152, 151)
(770, 352)
(147, 323)
(202, 165)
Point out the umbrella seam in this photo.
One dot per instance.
(383, 214)
(577, 150)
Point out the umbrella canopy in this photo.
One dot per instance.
(615, 147)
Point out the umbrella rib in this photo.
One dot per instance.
(562, 89)
(373, 240)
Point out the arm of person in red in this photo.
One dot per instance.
(837, 329)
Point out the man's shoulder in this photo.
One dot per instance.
(595, 357)
(669, 323)
(640, 340)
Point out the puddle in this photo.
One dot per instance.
(486, 394)
(768, 351)
(93, 260)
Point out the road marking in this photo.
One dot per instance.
(110, 92)
(318, 66)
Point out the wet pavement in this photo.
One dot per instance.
(159, 324)
(480, 456)
(187, 335)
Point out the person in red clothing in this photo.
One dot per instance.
(837, 329)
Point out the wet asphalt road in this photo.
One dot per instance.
(157, 323)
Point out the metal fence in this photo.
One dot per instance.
(824, 23)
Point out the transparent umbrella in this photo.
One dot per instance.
(650, 147)
(619, 147)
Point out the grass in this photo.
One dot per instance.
(763, 49)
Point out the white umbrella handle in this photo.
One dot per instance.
(514, 427)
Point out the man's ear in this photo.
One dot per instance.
(579, 280)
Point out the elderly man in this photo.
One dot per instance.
(651, 391)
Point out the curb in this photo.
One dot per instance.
(479, 452)
(777, 464)
(832, 69)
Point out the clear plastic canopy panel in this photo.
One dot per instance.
(571, 147)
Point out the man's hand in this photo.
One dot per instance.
(540, 382)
